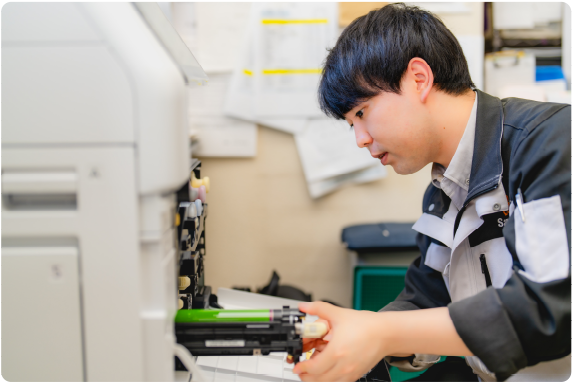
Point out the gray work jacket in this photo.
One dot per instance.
(509, 291)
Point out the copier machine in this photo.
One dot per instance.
(95, 147)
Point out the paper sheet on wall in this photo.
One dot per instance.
(328, 185)
(214, 32)
(218, 135)
(240, 98)
(278, 73)
(330, 157)
(291, 41)
(275, 84)
(473, 47)
(276, 78)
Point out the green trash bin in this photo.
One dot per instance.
(376, 286)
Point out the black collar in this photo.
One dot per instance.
(487, 164)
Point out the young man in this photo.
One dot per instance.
(493, 280)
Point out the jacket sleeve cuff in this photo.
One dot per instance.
(413, 363)
(399, 306)
(485, 327)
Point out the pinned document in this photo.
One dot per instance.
(218, 135)
(214, 33)
(330, 157)
(282, 61)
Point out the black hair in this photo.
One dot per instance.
(373, 52)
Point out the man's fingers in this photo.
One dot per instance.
(321, 309)
(318, 365)
(311, 378)
(307, 346)
(306, 341)
(320, 347)
(332, 375)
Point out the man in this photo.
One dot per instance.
(493, 280)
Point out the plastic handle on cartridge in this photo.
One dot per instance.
(184, 282)
(202, 195)
(196, 183)
(193, 193)
(311, 329)
(199, 206)
(192, 210)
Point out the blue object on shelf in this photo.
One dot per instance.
(549, 72)
(380, 237)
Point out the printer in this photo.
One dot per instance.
(95, 147)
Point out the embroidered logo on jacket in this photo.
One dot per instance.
(492, 228)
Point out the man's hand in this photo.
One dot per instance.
(358, 340)
(350, 348)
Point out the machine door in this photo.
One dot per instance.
(41, 314)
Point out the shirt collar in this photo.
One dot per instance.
(460, 167)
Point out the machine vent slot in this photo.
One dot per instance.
(39, 190)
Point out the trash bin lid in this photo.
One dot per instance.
(380, 236)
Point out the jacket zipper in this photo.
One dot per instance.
(485, 270)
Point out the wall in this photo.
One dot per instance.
(261, 217)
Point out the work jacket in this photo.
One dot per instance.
(501, 264)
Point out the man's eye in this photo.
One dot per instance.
(359, 114)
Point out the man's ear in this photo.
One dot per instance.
(422, 74)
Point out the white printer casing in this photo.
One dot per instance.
(94, 145)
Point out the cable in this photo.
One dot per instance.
(187, 359)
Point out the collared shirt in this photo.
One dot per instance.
(455, 180)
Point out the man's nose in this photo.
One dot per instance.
(363, 139)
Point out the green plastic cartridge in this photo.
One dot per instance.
(240, 332)
(216, 316)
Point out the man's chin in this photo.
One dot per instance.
(405, 170)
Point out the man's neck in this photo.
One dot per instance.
(451, 115)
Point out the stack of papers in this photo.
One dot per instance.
(264, 62)
(214, 34)
(271, 368)
(330, 157)
(275, 84)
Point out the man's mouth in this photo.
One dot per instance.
(383, 157)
